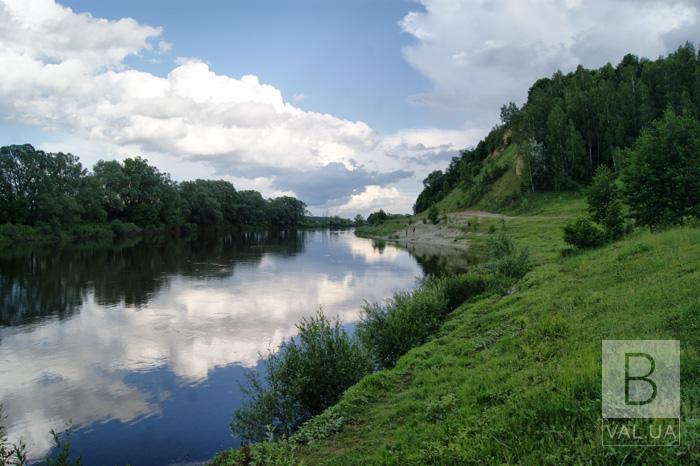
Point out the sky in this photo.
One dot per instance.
(346, 104)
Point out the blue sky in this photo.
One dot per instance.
(343, 56)
(347, 104)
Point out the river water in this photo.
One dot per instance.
(143, 345)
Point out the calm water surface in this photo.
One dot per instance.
(143, 345)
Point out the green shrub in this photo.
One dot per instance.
(91, 231)
(324, 425)
(405, 321)
(280, 452)
(188, 229)
(434, 215)
(18, 232)
(123, 229)
(508, 260)
(308, 374)
(583, 233)
(459, 288)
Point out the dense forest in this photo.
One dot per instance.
(52, 194)
(573, 123)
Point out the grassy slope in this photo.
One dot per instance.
(502, 192)
(516, 379)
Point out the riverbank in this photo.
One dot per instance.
(452, 235)
(117, 231)
(514, 376)
(44, 234)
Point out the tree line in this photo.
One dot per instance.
(53, 193)
(573, 123)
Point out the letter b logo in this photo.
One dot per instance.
(641, 379)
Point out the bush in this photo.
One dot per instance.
(434, 215)
(188, 229)
(509, 261)
(91, 231)
(583, 233)
(308, 374)
(405, 321)
(604, 203)
(460, 288)
(10, 231)
(123, 229)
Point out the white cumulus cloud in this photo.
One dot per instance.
(479, 54)
(66, 72)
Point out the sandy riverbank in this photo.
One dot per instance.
(443, 238)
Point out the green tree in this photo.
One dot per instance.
(286, 212)
(250, 208)
(359, 220)
(432, 192)
(201, 203)
(377, 217)
(137, 192)
(509, 113)
(39, 187)
(604, 203)
(662, 176)
(601, 193)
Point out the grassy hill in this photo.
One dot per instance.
(515, 377)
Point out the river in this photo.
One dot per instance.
(143, 345)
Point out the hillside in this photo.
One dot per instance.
(504, 191)
(515, 378)
(513, 374)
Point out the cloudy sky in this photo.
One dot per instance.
(345, 104)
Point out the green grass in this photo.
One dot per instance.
(516, 379)
(504, 192)
(384, 229)
(537, 223)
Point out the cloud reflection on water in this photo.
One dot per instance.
(180, 307)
